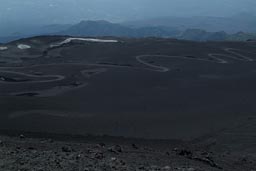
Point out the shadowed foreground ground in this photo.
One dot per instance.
(109, 153)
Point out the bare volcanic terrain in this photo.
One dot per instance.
(92, 153)
(198, 92)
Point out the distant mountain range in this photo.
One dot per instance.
(35, 31)
(201, 35)
(241, 22)
(105, 28)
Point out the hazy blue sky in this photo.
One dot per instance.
(39, 12)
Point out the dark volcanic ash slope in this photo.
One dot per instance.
(152, 88)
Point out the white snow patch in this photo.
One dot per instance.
(23, 46)
(3, 48)
(68, 40)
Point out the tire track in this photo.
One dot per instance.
(57, 77)
(217, 58)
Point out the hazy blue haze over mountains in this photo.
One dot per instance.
(18, 15)
(188, 19)
(104, 28)
(240, 22)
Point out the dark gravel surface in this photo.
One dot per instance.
(20, 153)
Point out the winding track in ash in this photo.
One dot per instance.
(57, 77)
(63, 114)
(213, 57)
(54, 90)
(233, 54)
(140, 58)
(216, 57)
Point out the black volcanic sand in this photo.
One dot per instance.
(102, 88)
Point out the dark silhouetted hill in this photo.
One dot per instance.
(241, 22)
(104, 28)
